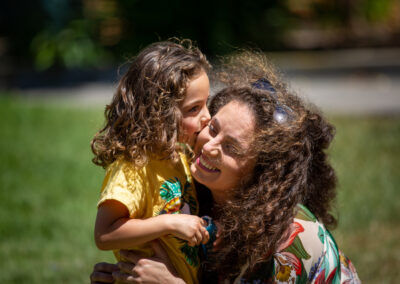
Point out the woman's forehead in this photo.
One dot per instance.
(236, 120)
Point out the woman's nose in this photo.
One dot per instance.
(211, 149)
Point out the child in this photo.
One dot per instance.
(160, 102)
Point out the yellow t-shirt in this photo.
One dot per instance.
(160, 187)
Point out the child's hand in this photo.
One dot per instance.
(190, 228)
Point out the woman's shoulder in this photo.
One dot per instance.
(310, 253)
(300, 252)
(304, 231)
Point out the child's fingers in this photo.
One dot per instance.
(205, 235)
(203, 222)
(192, 242)
(198, 237)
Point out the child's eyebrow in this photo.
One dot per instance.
(194, 102)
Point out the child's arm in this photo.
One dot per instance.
(115, 230)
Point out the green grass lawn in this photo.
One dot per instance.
(49, 189)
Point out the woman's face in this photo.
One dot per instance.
(223, 150)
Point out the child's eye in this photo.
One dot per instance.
(194, 109)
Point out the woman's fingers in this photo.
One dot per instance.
(217, 242)
(124, 277)
(101, 277)
(102, 273)
(105, 267)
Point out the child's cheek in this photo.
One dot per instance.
(189, 128)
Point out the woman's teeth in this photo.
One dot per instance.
(206, 165)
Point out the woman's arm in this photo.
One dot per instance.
(156, 269)
(115, 230)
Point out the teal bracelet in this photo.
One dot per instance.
(212, 231)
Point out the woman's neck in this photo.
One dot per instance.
(219, 198)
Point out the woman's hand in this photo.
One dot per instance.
(102, 273)
(156, 269)
(188, 227)
(217, 242)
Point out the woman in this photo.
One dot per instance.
(262, 158)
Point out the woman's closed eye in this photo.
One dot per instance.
(213, 130)
(231, 149)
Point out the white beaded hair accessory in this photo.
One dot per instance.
(282, 113)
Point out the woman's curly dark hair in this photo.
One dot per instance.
(143, 116)
(291, 168)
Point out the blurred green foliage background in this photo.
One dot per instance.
(94, 33)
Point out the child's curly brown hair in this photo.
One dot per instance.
(143, 117)
(291, 167)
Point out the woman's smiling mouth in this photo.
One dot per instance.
(204, 164)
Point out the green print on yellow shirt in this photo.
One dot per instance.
(176, 200)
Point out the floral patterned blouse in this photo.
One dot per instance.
(310, 255)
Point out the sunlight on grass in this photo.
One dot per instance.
(366, 155)
(49, 190)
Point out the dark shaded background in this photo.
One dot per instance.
(51, 36)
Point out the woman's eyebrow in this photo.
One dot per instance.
(234, 140)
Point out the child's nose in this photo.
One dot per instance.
(205, 118)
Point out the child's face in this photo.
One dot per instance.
(195, 115)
